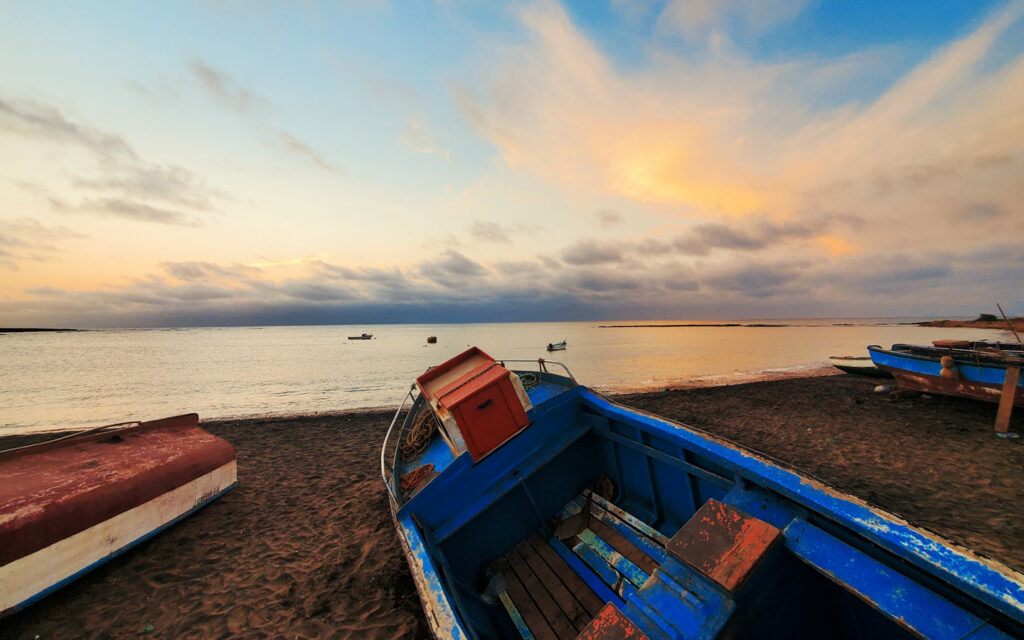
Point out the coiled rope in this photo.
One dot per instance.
(529, 380)
(418, 436)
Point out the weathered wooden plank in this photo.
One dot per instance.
(517, 618)
(584, 594)
(533, 617)
(621, 544)
(540, 594)
(572, 609)
(1006, 399)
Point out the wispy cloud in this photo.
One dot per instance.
(122, 183)
(26, 239)
(293, 145)
(223, 88)
(419, 138)
(37, 120)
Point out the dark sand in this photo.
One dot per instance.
(304, 546)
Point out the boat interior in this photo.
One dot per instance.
(596, 516)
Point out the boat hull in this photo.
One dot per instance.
(68, 507)
(836, 558)
(977, 381)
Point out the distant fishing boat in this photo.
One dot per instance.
(432, 340)
(953, 367)
(529, 506)
(365, 336)
(858, 366)
(69, 505)
(557, 346)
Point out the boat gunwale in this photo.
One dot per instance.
(874, 348)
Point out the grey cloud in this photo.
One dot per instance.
(488, 232)
(452, 269)
(703, 238)
(38, 120)
(222, 88)
(124, 182)
(199, 271)
(756, 281)
(315, 291)
(520, 269)
(591, 252)
(916, 176)
(24, 239)
(129, 210)
(392, 279)
(549, 262)
(293, 145)
(608, 217)
(168, 183)
(601, 281)
(980, 211)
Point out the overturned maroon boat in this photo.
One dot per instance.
(69, 505)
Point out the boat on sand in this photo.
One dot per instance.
(529, 506)
(975, 370)
(858, 366)
(364, 336)
(70, 504)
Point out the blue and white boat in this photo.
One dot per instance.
(956, 368)
(529, 506)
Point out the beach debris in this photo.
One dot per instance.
(883, 388)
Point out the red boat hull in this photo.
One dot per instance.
(68, 505)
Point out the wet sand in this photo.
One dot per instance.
(304, 546)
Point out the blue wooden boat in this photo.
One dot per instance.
(557, 346)
(570, 516)
(957, 368)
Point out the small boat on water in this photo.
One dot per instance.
(529, 506)
(953, 367)
(69, 505)
(858, 366)
(432, 340)
(557, 346)
(365, 336)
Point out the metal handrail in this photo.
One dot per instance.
(384, 448)
(542, 366)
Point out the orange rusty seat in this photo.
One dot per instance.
(723, 543)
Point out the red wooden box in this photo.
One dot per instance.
(479, 395)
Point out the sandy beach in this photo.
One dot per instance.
(304, 546)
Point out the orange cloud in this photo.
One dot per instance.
(837, 246)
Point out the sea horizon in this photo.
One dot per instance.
(57, 381)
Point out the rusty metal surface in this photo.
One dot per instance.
(723, 543)
(983, 391)
(54, 491)
(611, 624)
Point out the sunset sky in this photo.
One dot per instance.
(226, 162)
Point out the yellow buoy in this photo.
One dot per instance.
(947, 362)
(949, 374)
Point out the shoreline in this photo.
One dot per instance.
(304, 546)
(799, 371)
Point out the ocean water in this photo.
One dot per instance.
(53, 381)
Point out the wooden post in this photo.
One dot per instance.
(1006, 399)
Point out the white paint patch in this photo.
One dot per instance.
(25, 577)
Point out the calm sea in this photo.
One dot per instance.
(65, 380)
